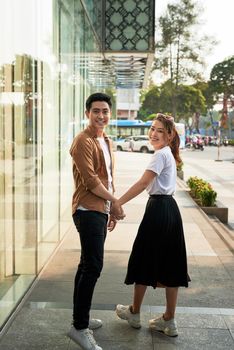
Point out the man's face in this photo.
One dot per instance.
(99, 115)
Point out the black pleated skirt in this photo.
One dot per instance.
(159, 253)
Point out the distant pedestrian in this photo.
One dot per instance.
(158, 256)
(131, 144)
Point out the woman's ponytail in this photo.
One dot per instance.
(175, 145)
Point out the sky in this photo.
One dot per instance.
(217, 19)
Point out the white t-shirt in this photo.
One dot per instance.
(164, 165)
(107, 157)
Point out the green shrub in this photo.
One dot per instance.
(208, 198)
(202, 191)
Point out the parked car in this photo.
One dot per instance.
(122, 144)
(138, 143)
(113, 142)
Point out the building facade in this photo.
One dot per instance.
(127, 103)
(53, 54)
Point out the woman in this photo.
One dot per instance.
(158, 256)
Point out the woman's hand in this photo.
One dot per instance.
(117, 210)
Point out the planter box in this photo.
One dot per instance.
(219, 211)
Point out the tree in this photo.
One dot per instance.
(191, 102)
(157, 99)
(207, 92)
(206, 89)
(150, 102)
(178, 52)
(222, 82)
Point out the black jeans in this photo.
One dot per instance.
(92, 228)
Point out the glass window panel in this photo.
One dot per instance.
(46, 74)
(67, 89)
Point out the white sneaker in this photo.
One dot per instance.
(95, 323)
(84, 338)
(167, 327)
(125, 314)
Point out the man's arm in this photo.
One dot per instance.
(102, 192)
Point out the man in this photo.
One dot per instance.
(93, 177)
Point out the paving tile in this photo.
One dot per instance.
(229, 321)
(41, 321)
(35, 341)
(195, 339)
(52, 291)
(201, 321)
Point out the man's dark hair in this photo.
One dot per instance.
(98, 96)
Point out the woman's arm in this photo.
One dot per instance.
(138, 187)
(133, 191)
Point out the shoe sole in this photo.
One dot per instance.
(73, 339)
(94, 328)
(133, 326)
(162, 331)
(123, 317)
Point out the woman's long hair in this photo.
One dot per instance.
(172, 134)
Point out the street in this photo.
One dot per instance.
(205, 313)
(217, 169)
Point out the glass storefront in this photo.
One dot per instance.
(45, 51)
(53, 54)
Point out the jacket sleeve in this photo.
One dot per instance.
(82, 154)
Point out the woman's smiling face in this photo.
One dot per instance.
(158, 135)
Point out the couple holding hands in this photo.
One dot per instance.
(158, 257)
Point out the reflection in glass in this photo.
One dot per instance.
(46, 74)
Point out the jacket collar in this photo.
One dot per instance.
(91, 131)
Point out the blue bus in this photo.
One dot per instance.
(120, 129)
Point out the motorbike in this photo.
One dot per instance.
(225, 142)
(198, 144)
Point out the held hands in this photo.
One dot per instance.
(116, 214)
(117, 211)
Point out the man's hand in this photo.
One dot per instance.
(111, 223)
(117, 211)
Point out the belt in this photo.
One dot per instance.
(160, 195)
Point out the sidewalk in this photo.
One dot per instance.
(220, 174)
(205, 313)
